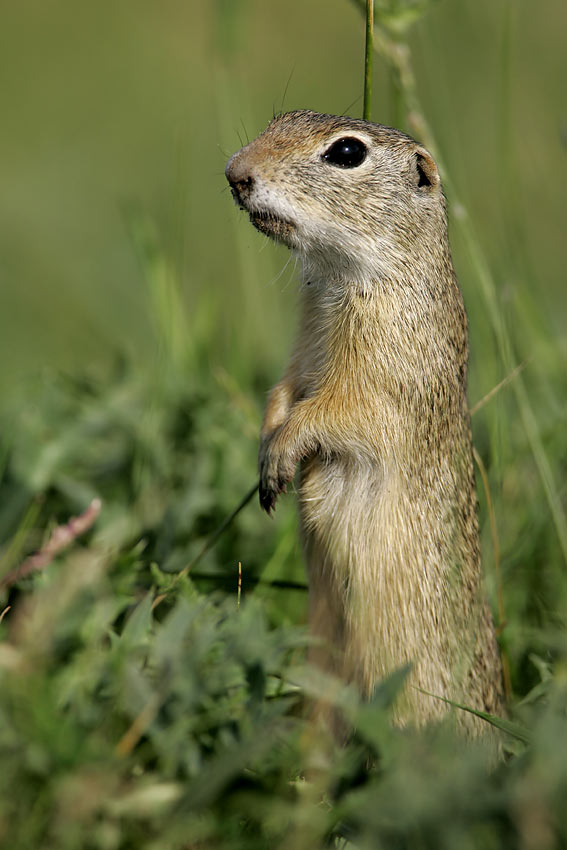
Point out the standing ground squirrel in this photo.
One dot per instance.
(373, 405)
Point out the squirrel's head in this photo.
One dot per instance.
(352, 198)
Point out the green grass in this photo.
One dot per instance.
(144, 703)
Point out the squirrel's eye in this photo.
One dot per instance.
(346, 153)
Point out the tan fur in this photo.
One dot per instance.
(373, 405)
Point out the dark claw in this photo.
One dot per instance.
(267, 499)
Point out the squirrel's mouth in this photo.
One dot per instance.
(278, 228)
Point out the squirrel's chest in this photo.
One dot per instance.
(352, 347)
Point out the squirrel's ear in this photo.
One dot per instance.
(426, 173)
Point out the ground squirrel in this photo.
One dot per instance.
(373, 406)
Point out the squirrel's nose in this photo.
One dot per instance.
(241, 189)
(240, 180)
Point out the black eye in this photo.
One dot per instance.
(346, 153)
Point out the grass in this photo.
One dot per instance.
(152, 686)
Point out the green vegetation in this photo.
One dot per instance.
(144, 702)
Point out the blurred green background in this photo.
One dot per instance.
(107, 104)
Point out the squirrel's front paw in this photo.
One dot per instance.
(277, 468)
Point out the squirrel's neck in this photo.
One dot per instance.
(409, 334)
(378, 265)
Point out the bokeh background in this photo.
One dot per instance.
(110, 105)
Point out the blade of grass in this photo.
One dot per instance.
(529, 422)
(368, 58)
(14, 548)
(514, 729)
(495, 390)
(210, 541)
(499, 590)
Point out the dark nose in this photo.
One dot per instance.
(240, 180)
(241, 188)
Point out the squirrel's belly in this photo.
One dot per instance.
(341, 498)
(357, 524)
(340, 478)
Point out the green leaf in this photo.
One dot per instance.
(139, 622)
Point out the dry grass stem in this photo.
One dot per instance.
(489, 395)
(61, 538)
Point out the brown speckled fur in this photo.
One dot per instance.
(373, 406)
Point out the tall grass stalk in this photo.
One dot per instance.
(368, 60)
